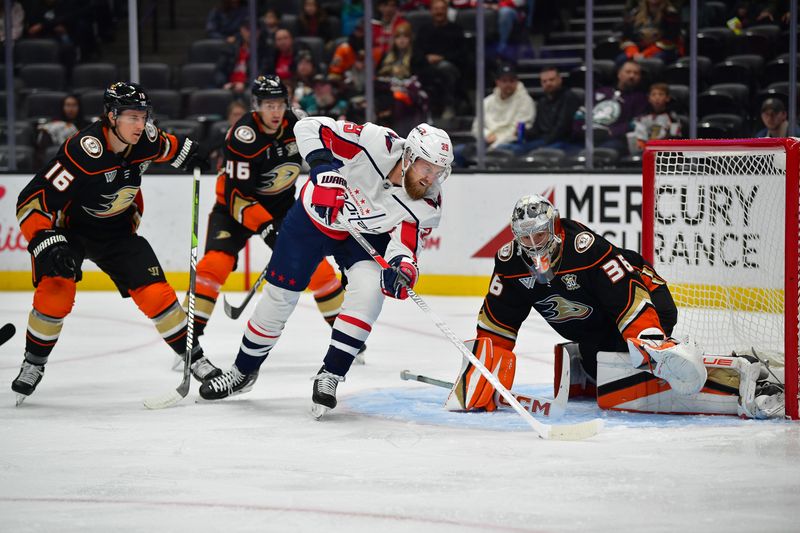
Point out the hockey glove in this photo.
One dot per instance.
(399, 277)
(191, 155)
(328, 195)
(268, 232)
(52, 255)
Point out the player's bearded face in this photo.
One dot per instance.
(419, 177)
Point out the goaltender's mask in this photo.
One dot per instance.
(534, 223)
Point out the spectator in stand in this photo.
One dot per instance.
(325, 100)
(744, 14)
(413, 5)
(660, 123)
(505, 109)
(615, 108)
(774, 118)
(270, 23)
(17, 21)
(383, 31)
(216, 137)
(224, 21)
(347, 63)
(653, 29)
(507, 112)
(509, 13)
(283, 59)
(313, 21)
(440, 51)
(54, 20)
(304, 77)
(59, 129)
(408, 102)
(233, 65)
(555, 111)
(776, 12)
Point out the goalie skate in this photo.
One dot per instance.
(228, 384)
(26, 381)
(323, 397)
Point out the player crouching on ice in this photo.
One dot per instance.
(618, 315)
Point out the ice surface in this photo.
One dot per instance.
(83, 455)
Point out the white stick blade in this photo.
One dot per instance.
(164, 401)
(580, 431)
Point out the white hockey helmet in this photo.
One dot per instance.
(431, 144)
(533, 223)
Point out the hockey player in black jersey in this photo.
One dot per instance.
(617, 313)
(85, 203)
(255, 189)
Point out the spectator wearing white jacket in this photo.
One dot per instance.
(503, 110)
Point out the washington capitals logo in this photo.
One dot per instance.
(390, 137)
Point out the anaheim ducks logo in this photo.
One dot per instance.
(278, 179)
(151, 132)
(117, 203)
(557, 309)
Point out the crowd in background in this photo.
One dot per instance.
(423, 52)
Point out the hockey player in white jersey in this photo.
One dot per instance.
(389, 189)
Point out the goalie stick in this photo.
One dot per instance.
(173, 397)
(533, 404)
(235, 312)
(578, 431)
(6, 332)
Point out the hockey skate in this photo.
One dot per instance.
(26, 381)
(203, 369)
(227, 384)
(323, 397)
(770, 400)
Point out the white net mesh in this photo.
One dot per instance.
(719, 243)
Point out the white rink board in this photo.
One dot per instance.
(477, 208)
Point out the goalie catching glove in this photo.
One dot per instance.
(399, 277)
(52, 255)
(680, 365)
(471, 390)
(329, 192)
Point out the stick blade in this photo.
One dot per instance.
(164, 401)
(580, 431)
(6, 332)
(231, 311)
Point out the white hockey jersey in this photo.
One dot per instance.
(372, 204)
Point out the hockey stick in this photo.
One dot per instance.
(6, 332)
(235, 312)
(533, 404)
(173, 397)
(545, 431)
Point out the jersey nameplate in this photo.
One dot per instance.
(151, 131)
(583, 241)
(245, 134)
(92, 146)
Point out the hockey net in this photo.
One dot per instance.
(720, 224)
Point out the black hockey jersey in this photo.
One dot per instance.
(257, 182)
(600, 293)
(88, 188)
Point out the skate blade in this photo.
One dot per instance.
(318, 411)
(20, 399)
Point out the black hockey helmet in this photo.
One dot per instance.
(268, 87)
(123, 95)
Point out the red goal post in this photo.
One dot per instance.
(720, 224)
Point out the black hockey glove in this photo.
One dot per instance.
(191, 155)
(269, 232)
(52, 255)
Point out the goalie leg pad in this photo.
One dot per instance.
(681, 365)
(471, 390)
(581, 384)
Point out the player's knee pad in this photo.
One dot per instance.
(274, 308)
(54, 296)
(363, 296)
(154, 298)
(471, 389)
(581, 384)
(212, 271)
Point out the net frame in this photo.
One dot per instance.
(791, 268)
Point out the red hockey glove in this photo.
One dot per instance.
(399, 277)
(329, 194)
